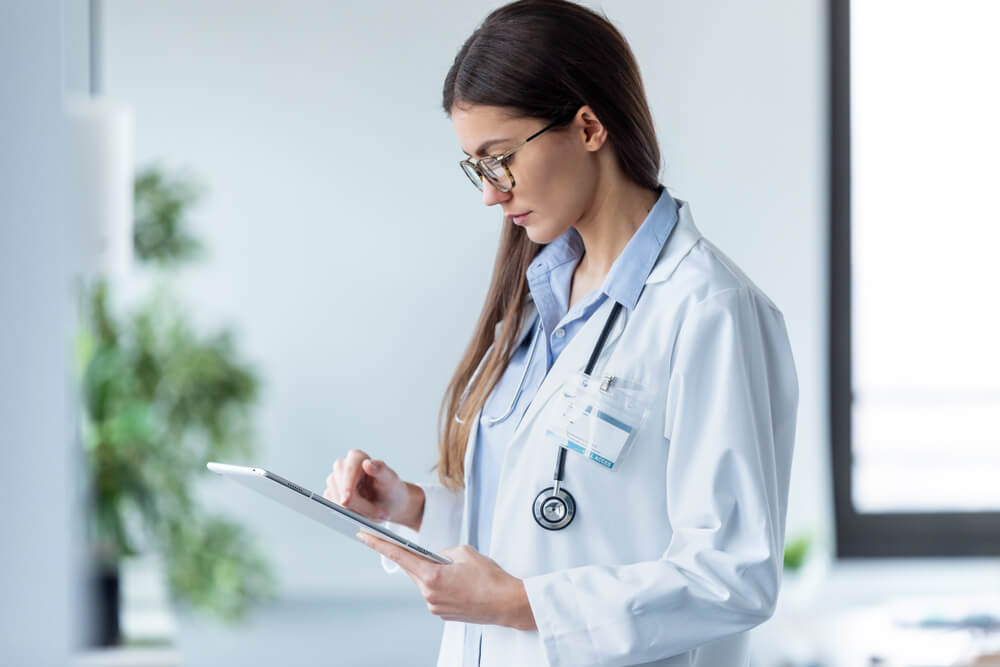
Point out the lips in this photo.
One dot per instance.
(518, 218)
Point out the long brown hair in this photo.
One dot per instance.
(541, 59)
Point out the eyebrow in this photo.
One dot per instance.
(486, 144)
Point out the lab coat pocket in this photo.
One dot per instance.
(598, 417)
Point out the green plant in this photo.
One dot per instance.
(159, 401)
(796, 551)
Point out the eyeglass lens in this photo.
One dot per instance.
(493, 170)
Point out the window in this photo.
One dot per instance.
(915, 276)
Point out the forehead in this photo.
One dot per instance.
(482, 128)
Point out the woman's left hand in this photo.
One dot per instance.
(472, 589)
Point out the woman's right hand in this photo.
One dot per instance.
(372, 489)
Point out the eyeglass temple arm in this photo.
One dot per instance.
(508, 153)
(547, 127)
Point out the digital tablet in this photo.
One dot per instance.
(315, 506)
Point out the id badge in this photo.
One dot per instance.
(598, 417)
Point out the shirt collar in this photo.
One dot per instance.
(628, 274)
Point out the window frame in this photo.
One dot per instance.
(916, 534)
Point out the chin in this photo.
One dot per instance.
(540, 235)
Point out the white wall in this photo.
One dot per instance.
(353, 256)
(39, 542)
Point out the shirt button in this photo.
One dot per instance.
(560, 332)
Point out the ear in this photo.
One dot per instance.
(591, 131)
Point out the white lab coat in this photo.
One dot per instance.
(675, 554)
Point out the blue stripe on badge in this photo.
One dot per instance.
(569, 443)
(603, 461)
(614, 422)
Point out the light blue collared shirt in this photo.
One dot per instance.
(549, 279)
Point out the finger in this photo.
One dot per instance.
(332, 491)
(412, 563)
(337, 475)
(379, 478)
(352, 472)
(359, 505)
(376, 468)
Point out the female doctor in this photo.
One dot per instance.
(616, 441)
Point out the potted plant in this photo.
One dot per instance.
(159, 400)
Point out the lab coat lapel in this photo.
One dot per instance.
(682, 238)
(470, 449)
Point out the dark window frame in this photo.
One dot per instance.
(869, 534)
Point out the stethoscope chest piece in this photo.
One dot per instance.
(554, 509)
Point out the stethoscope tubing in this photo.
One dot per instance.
(520, 383)
(555, 499)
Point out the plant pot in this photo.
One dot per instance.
(104, 605)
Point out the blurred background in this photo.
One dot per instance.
(236, 231)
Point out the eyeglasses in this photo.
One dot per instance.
(494, 167)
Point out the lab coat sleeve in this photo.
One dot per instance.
(729, 425)
(441, 523)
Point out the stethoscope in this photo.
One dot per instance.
(554, 507)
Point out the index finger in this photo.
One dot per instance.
(352, 471)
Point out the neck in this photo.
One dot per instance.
(617, 213)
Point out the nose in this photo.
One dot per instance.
(493, 196)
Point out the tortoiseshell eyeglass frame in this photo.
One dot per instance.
(473, 164)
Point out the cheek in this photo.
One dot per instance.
(579, 174)
(534, 179)
(551, 186)
(557, 186)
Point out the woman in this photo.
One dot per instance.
(659, 537)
